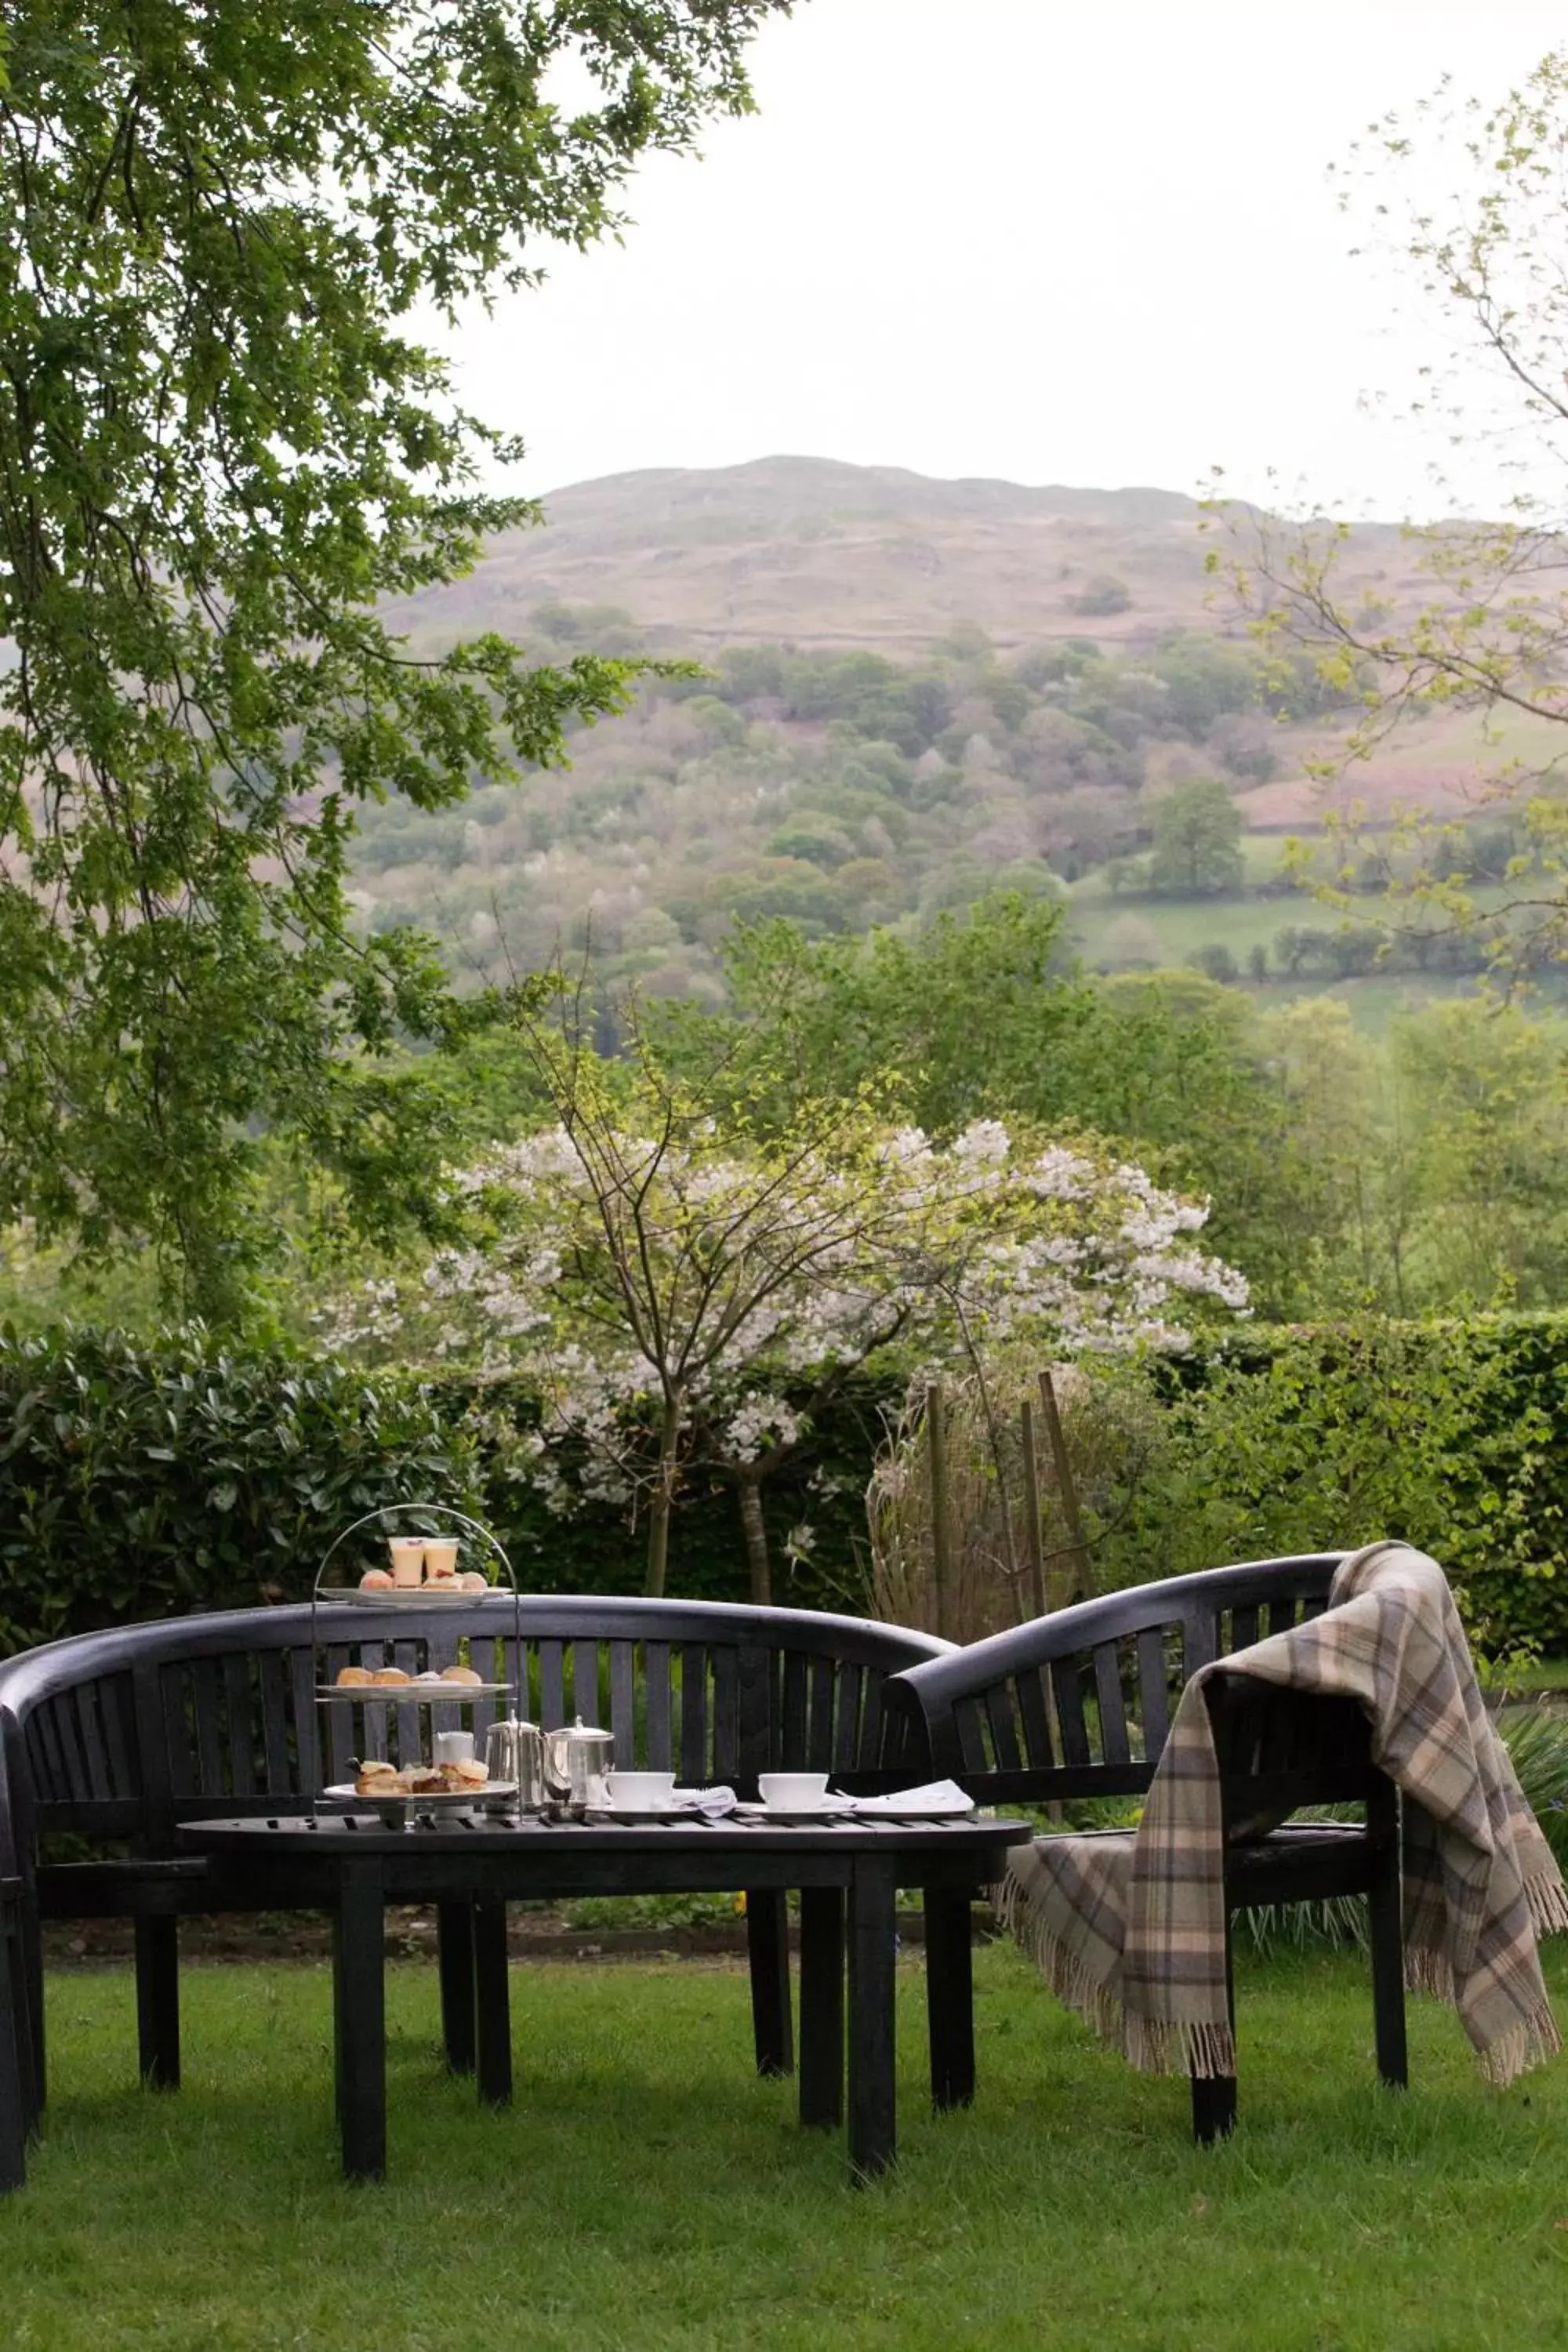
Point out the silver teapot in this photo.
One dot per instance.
(569, 1766)
(514, 1751)
(577, 1761)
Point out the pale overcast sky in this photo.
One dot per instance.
(1052, 243)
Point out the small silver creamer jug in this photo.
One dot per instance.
(577, 1761)
(514, 1751)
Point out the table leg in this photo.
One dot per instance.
(950, 1998)
(158, 2001)
(359, 1999)
(767, 1948)
(822, 2005)
(455, 1961)
(873, 2139)
(492, 2001)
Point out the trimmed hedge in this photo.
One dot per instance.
(1452, 1434)
(140, 1480)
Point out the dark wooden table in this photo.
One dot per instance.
(847, 1873)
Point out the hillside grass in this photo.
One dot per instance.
(647, 2192)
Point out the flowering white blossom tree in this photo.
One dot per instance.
(674, 1288)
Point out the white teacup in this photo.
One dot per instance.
(407, 1558)
(641, 1792)
(794, 1792)
(454, 1747)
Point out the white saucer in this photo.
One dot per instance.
(678, 1807)
(674, 1811)
(829, 1809)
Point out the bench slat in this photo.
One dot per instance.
(726, 1713)
(1200, 1640)
(586, 1682)
(1153, 1692)
(656, 1683)
(693, 1766)
(307, 1742)
(624, 1701)
(118, 1733)
(552, 1685)
(971, 1735)
(67, 1732)
(792, 1722)
(754, 1701)
(1003, 1729)
(846, 1751)
(822, 1679)
(274, 1722)
(1066, 1689)
(206, 1710)
(1035, 1720)
(237, 1705)
(1113, 1742)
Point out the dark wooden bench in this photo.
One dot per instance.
(115, 1737)
(1078, 1705)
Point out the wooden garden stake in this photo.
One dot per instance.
(1077, 1551)
(941, 1550)
(1032, 1513)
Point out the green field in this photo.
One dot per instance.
(646, 2193)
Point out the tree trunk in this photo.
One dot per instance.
(663, 1496)
(749, 1494)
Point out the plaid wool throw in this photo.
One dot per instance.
(1130, 1926)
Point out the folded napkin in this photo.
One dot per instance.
(717, 1801)
(933, 1797)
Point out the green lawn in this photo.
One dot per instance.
(646, 2191)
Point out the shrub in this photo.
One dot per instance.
(1450, 1435)
(138, 1480)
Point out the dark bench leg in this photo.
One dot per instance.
(158, 2002)
(822, 2006)
(14, 2056)
(950, 1998)
(767, 1947)
(873, 2133)
(493, 2003)
(358, 2004)
(1385, 1936)
(455, 1961)
(31, 1980)
(1213, 2106)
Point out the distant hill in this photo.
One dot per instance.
(919, 690)
(809, 552)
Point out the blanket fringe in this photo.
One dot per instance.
(1533, 2039)
(1154, 2045)
(1097, 2004)
(1429, 1971)
(1548, 1902)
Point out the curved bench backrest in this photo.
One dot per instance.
(1079, 1703)
(123, 1734)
